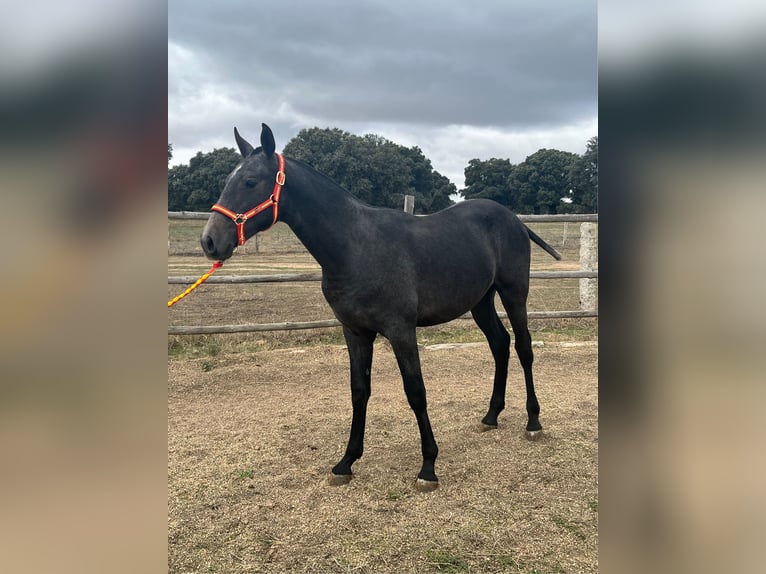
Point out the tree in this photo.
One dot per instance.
(548, 181)
(584, 180)
(170, 151)
(488, 179)
(536, 185)
(372, 168)
(177, 191)
(541, 181)
(197, 186)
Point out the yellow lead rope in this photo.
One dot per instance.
(197, 283)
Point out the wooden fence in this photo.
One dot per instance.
(587, 275)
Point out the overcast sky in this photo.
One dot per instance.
(461, 80)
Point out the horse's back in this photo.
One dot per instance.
(477, 224)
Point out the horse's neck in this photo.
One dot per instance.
(320, 213)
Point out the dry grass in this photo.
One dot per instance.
(251, 439)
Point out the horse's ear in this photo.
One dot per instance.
(244, 147)
(267, 140)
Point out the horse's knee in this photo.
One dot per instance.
(417, 401)
(524, 352)
(415, 390)
(359, 399)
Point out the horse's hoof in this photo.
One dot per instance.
(426, 485)
(340, 479)
(534, 434)
(484, 427)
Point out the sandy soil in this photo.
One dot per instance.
(252, 438)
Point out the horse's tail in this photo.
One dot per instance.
(539, 240)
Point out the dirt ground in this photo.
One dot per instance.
(252, 438)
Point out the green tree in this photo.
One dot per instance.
(584, 180)
(196, 186)
(548, 181)
(488, 179)
(177, 192)
(541, 181)
(170, 151)
(374, 169)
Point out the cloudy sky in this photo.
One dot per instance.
(461, 80)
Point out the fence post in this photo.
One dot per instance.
(588, 261)
(409, 204)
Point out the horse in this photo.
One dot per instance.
(387, 272)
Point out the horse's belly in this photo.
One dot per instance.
(450, 302)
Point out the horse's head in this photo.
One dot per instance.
(249, 201)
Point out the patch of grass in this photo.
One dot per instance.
(446, 561)
(572, 527)
(593, 504)
(456, 332)
(194, 346)
(510, 561)
(249, 473)
(396, 494)
(550, 566)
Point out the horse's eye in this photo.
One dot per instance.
(250, 183)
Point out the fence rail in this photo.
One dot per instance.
(568, 217)
(586, 275)
(298, 277)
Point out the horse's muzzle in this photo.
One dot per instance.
(214, 250)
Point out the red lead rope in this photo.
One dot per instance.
(239, 219)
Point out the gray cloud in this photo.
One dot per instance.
(508, 65)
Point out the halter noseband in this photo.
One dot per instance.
(239, 219)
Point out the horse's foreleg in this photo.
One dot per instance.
(360, 348)
(405, 348)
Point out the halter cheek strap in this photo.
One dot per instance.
(239, 219)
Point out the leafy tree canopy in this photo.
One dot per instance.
(488, 179)
(538, 184)
(195, 187)
(584, 180)
(548, 181)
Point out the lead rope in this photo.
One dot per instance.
(197, 283)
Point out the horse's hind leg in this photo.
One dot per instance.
(515, 302)
(499, 343)
(360, 348)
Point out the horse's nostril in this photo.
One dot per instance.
(207, 244)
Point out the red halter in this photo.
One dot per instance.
(240, 218)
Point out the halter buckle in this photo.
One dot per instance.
(240, 219)
(280, 178)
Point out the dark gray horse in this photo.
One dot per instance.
(387, 272)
